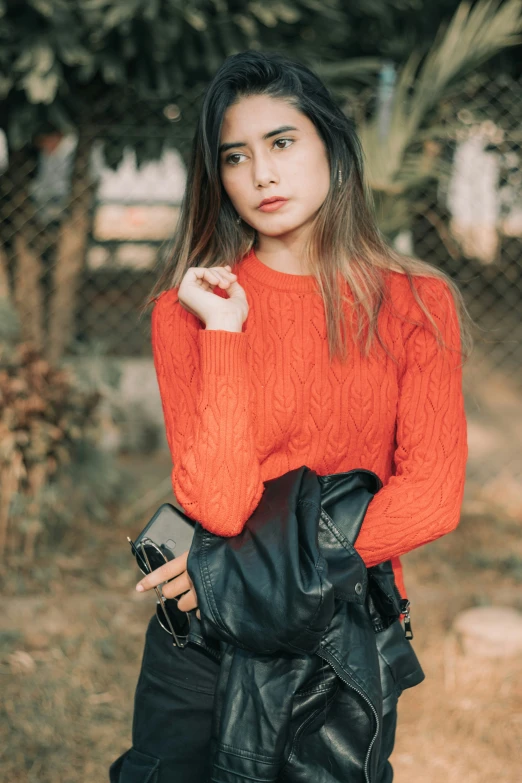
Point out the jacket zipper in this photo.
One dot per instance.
(367, 700)
(405, 610)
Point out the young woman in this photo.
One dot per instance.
(286, 332)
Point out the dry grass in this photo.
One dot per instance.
(71, 638)
(67, 701)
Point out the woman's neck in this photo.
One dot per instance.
(282, 262)
(283, 256)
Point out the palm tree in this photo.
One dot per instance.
(405, 156)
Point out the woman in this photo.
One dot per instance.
(285, 332)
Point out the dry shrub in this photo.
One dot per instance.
(50, 467)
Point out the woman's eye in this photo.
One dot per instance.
(278, 140)
(234, 155)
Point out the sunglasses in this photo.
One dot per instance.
(149, 557)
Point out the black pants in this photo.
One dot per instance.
(173, 716)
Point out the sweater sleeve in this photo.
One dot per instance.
(204, 387)
(422, 500)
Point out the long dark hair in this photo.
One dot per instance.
(345, 240)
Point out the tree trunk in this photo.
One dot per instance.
(23, 242)
(12, 473)
(5, 292)
(28, 293)
(70, 256)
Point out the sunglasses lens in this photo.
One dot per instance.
(154, 556)
(180, 620)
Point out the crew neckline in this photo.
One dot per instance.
(283, 281)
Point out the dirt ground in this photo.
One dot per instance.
(71, 638)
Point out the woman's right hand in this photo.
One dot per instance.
(195, 294)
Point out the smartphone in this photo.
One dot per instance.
(170, 529)
(166, 535)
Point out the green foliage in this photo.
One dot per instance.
(73, 64)
(56, 55)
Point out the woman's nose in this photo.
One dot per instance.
(265, 171)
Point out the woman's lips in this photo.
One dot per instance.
(273, 205)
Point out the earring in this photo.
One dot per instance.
(238, 219)
(340, 177)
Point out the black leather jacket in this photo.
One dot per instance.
(312, 650)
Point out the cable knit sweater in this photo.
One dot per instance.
(244, 407)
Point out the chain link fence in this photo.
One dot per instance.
(471, 225)
(82, 219)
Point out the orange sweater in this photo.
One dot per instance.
(243, 407)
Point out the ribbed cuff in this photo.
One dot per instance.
(222, 352)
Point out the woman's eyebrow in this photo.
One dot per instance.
(230, 144)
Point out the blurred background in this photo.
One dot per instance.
(98, 106)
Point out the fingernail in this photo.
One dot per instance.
(139, 588)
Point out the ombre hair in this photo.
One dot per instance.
(345, 241)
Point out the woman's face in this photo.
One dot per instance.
(268, 148)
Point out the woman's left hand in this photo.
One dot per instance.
(176, 570)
